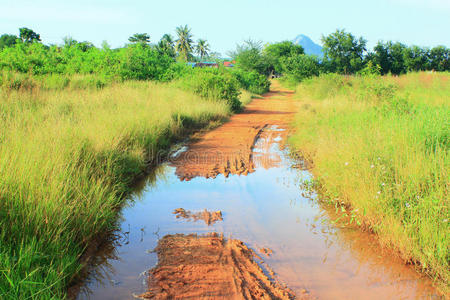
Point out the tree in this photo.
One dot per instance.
(69, 41)
(415, 58)
(396, 56)
(389, 56)
(299, 67)
(7, 40)
(141, 38)
(85, 46)
(166, 45)
(202, 48)
(249, 57)
(184, 42)
(345, 52)
(277, 51)
(29, 36)
(439, 58)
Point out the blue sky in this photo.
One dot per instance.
(225, 23)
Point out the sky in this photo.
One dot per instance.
(225, 23)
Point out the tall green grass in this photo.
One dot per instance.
(380, 146)
(67, 159)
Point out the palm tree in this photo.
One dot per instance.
(202, 48)
(166, 45)
(184, 42)
(167, 40)
(142, 38)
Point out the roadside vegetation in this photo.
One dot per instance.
(78, 125)
(374, 126)
(378, 147)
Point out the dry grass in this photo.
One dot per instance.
(67, 158)
(380, 145)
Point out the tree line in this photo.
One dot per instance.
(344, 54)
(26, 63)
(182, 48)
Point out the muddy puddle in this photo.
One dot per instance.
(248, 202)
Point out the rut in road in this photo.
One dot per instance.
(228, 149)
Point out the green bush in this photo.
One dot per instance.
(252, 81)
(132, 62)
(300, 67)
(177, 71)
(142, 63)
(214, 84)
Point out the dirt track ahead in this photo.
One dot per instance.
(228, 149)
(211, 267)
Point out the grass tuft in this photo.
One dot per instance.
(380, 145)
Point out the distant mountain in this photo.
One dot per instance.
(309, 46)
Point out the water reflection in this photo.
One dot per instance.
(267, 209)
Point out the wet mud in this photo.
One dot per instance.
(210, 267)
(228, 149)
(281, 242)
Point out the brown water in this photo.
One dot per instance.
(264, 209)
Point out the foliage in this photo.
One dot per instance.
(252, 81)
(167, 46)
(415, 58)
(370, 69)
(202, 48)
(249, 57)
(389, 162)
(214, 84)
(277, 51)
(389, 56)
(29, 36)
(300, 67)
(439, 58)
(133, 62)
(7, 40)
(142, 38)
(345, 51)
(143, 63)
(184, 42)
(55, 201)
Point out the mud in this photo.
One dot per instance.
(210, 267)
(207, 216)
(270, 210)
(228, 149)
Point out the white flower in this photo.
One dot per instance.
(382, 184)
(346, 163)
(379, 192)
(372, 166)
(407, 204)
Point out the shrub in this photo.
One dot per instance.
(142, 62)
(214, 84)
(300, 67)
(252, 81)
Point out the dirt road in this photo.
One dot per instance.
(211, 267)
(228, 149)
